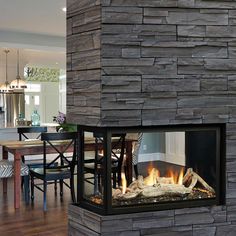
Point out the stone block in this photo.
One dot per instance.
(204, 231)
(154, 85)
(204, 101)
(128, 62)
(183, 49)
(131, 52)
(83, 42)
(89, 15)
(121, 84)
(158, 116)
(170, 231)
(145, 223)
(116, 225)
(215, 4)
(186, 211)
(74, 7)
(122, 15)
(191, 30)
(229, 230)
(221, 31)
(214, 84)
(86, 60)
(195, 17)
(186, 3)
(232, 82)
(145, 3)
(194, 219)
(111, 51)
(123, 233)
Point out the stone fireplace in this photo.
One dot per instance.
(186, 168)
(135, 64)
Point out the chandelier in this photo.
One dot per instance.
(18, 83)
(6, 86)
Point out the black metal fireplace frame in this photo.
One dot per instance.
(107, 209)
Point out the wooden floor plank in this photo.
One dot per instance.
(31, 220)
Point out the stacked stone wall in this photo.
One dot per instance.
(153, 62)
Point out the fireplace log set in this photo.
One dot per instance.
(155, 186)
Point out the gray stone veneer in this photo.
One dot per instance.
(152, 62)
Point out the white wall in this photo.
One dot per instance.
(62, 92)
(49, 101)
(11, 71)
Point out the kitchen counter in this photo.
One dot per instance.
(7, 127)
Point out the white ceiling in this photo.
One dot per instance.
(37, 27)
(33, 16)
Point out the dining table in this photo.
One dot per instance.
(35, 147)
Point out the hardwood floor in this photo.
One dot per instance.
(31, 220)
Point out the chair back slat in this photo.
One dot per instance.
(22, 131)
(50, 140)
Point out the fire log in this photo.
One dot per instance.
(195, 178)
(165, 190)
(165, 180)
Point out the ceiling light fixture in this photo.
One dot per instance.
(6, 86)
(64, 9)
(18, 83)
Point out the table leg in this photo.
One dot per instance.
(129, 161)
(17, 180)
(4, 182)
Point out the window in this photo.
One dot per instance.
(27, 99)
(36, 100)
(33, 88)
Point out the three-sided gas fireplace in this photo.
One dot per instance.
(124, 170)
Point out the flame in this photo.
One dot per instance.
(181, 176)
(171, 174)
(177, 177)
(123, 183)
(150, 168)
(151, 179)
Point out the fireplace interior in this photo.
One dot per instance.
(142, 169)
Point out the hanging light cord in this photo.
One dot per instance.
(6, 51)
(18, 69)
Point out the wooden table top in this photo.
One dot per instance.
(12, 144)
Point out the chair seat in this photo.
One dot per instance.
(91, 166)
(51, 174)
(32, 164)
(7, 169)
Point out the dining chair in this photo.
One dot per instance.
(94, 165)
(26, 133)
(7, 170)
(62, 144)
(135, 153)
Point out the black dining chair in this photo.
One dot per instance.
(27, 133)
(32, 132)
(62, 144)
(94, 165)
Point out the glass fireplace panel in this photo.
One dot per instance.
(135, 169)
(93, 174)
(165, 167)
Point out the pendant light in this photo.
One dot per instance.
(18, 83)
(6, 86)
